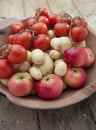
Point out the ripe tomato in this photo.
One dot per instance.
(18, 54)
(11, 39)
(42, 42)
(79, 33)
(44, 19)
(61, 29)
(17, 26)
(41, 12)
(39, 28)
(78, 21)
(6, 69)
(67, 18)
(30, 22)
(24, 39)
(54, 18)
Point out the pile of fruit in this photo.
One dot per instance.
(45, 54)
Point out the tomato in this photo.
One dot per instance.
(17, 26)
(30, 22)
(54, 18)
(61, 29)
(42, 42)
(6, 69)
(78, 21)
(41, 12)
(11, 39)
(67, 18)
(44, 19)
(79, 33)
(39, 28)
(18, 54)
(24, 39)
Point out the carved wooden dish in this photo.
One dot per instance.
(68, 97)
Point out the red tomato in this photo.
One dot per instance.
(24, 39)
(11, 39)
(17, 26)
(30, 22)
(41, 12)
(44, 19)
(79, 33)
(77, 21)
(67, 18)
(54, 18)
(40, 28)
(18, 54)
(61, 29)
(42, 42)
(6, 69)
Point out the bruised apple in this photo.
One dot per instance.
(75, 77)
(76, 57)
(20, 84)
(49, 87)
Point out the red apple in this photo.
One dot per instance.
(90, 57)
(75, 77)
(75, 56)
(49, 87)
(20, 84)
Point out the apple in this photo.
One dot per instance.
(75, 57)
(75, 77)
(90, 57)
(49, 87)
(20, 84)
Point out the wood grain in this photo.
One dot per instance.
(31, 6)
(62, 6)
(16, 117)
(87, 10)
(11, 8)
(70, 118)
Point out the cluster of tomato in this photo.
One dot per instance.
(34, 34)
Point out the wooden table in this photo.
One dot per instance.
(81, 116)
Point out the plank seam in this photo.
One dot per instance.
(23, 8)
(38, 120)
(49, 6)
(79, 13)
(91, 114)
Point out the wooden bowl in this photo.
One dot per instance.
(68, 97)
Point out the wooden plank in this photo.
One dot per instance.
(13, 117)
(30, 6)
(77, 117)
(87, 9)
(11, 8)
(92, 105)
(61, 6)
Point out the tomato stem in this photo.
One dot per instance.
(4, 51)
